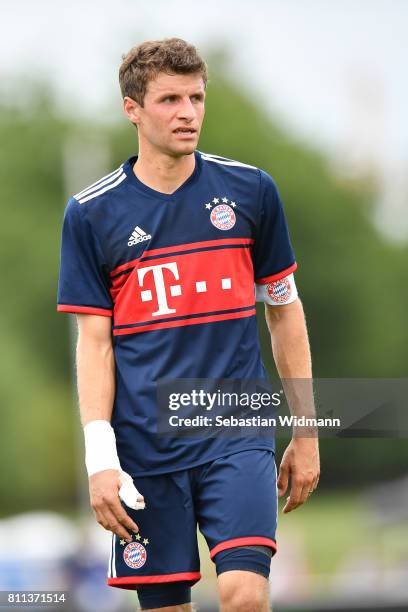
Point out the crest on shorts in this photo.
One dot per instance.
(279, 290)
(222, 214)
(135, 555)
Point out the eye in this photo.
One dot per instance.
(169, 99)
(197, 98)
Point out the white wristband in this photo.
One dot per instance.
(100, 447)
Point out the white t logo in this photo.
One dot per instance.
(159, 286)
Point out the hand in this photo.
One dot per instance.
(109, 512)
(301, 462)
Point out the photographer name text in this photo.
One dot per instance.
(253, 421)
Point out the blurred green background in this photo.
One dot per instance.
(350, 278)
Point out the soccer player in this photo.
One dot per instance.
(159, 262)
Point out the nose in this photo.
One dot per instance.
(186, 109)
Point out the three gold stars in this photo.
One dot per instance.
(138, 538)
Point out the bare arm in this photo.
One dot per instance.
(96, 390)
(291, 352)
(95, 368)
(290, 344)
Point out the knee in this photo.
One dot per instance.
(243, 598)
(243, 580)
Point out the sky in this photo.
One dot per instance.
(334, 72)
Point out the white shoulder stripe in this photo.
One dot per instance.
(216, 156)
(226, 162)
(95, 194)
(99, 183)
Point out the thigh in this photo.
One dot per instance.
(236, 501)
(165, 549)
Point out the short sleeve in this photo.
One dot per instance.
(272, 254)
(83, 279)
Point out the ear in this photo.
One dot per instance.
(132, 109)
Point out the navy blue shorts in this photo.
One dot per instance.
(233, 500)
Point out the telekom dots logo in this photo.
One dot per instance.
(135, 555)
(175, 290)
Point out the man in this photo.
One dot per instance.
(158, 261)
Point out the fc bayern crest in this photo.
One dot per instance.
(135, 555)
(279, 290)
(223, 217)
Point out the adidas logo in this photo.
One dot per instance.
(138, 235)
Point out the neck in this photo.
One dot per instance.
(163, 172)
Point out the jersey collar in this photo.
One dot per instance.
(128, 169)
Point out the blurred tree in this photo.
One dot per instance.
(36, 448)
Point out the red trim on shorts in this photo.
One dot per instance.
(84, 309)
(268, 279)
(129, 582)
(249, 541)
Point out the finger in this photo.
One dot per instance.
(313, 485)
(294, 497)
(116, 527)
(306, 492)
(107, 520)
(121, 515)
(289, 506)
(283, 479)
(127, 521)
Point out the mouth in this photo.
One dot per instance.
(185, 131)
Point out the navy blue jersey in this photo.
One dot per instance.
(176, 274)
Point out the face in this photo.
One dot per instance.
(171, 117)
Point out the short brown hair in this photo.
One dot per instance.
(144, 62)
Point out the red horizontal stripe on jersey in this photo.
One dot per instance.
(182, 247)
(84, 309)
(248, 541)
(268, 279)
(126, 582)
(224, 277)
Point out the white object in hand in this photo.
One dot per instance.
(129, 494)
